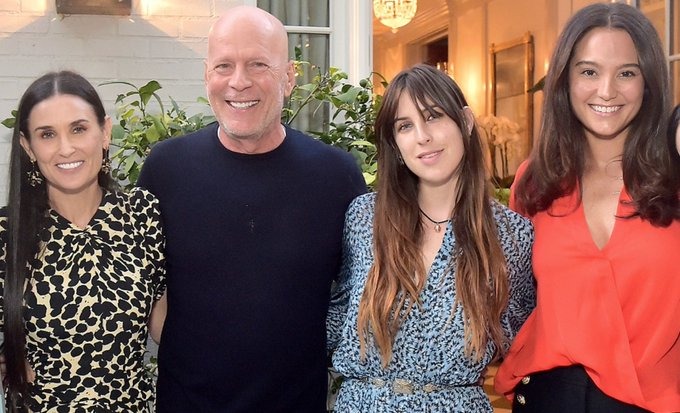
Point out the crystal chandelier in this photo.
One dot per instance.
(394, 13)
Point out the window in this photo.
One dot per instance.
(665, 16)
(308, 26)
(326, 33)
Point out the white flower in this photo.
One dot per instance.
(486, 122)
(502, 135)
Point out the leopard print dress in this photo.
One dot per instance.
(87, 306)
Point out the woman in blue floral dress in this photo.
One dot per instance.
(436, 275)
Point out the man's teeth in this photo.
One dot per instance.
(606, 109)
(70, 165)
(243, 105)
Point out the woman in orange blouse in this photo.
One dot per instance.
(602, 192)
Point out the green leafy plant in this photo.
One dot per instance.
(352, 111)
(347, 111)
(138, 129)
(502, 195)
(11, 121)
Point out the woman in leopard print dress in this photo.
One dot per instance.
(81, 263)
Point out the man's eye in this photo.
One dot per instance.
(222, 69)
(258, 67)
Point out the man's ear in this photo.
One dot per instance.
(290, 78)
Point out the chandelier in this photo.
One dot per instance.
(394, 13)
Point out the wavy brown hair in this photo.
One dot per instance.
(557, 163)
(397, 276)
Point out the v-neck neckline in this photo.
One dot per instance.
(66, 223)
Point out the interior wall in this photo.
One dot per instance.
(472, 26)
(396, 50)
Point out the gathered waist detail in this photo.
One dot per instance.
(403, 386)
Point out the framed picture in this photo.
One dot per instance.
(512, 75)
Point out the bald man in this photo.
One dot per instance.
(253, 212)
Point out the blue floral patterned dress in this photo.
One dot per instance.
(429, 371)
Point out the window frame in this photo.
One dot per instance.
(350, 34)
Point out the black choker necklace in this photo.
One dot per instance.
(437, 224)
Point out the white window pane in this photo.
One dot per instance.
(298, 12)
(313, 49)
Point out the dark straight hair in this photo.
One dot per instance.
(26, 210)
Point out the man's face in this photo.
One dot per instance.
(248, 76)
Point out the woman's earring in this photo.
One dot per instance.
(106, 162)
(34, 176)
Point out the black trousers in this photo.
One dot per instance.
(565, 390)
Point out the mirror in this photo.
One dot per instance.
(512, 75)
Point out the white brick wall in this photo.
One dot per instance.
(161, 40)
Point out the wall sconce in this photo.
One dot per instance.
(394, 13)
(115, 7)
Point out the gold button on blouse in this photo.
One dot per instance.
(526, 379)
(520, 399)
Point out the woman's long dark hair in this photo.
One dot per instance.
(481, 275)
(26, 210)
(673, 125)
(557, 163)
